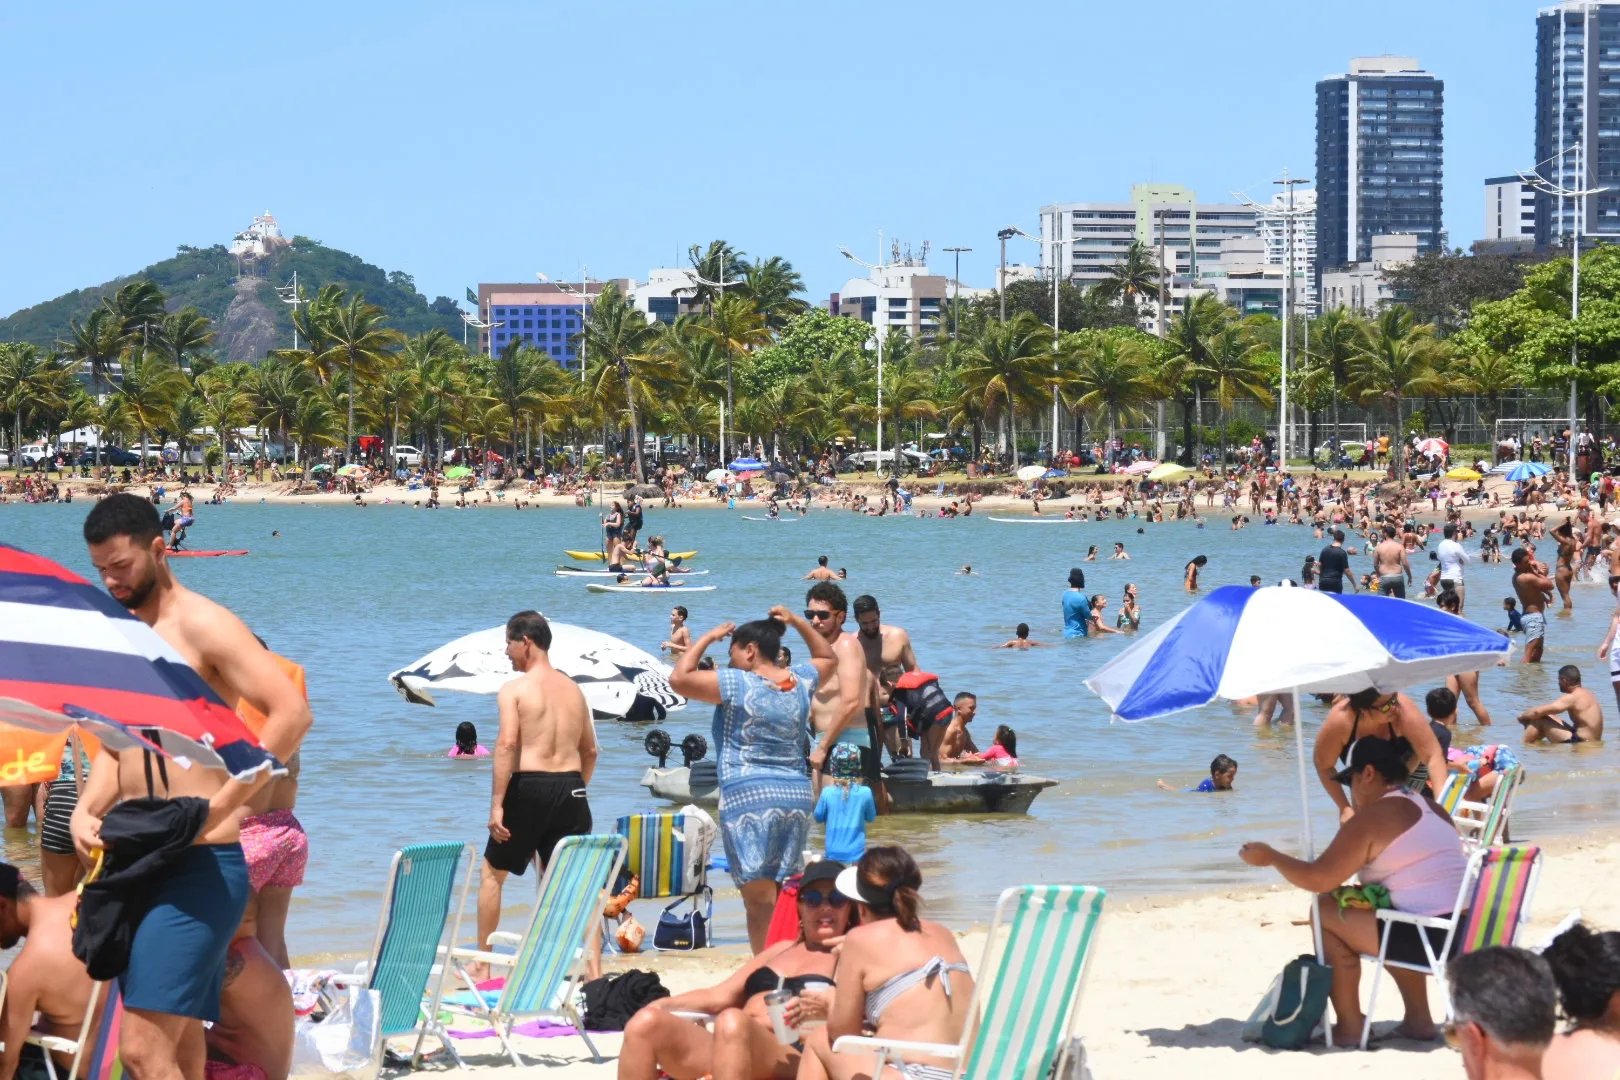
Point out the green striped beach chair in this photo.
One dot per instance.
(1493, 902)
(420, 902)
(1028, 994)
(545, 971)
(1483, 824)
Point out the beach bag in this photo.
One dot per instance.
(1293, 1006)
(347, 1042)
(686, 930)
(612, 1000)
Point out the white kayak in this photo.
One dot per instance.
(580, 571)
(597, 587)
(1039, 520)
(750, 517)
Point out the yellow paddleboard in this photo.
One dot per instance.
(597, 556)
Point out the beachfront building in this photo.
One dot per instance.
(1510, 211)
(1364, 287)
(543, 315)
(666, 293)
(901, 294)
(1091, 237)
(1378, 158)
(1577, 64)
(1273, 223)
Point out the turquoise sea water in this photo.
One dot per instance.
(353, 594)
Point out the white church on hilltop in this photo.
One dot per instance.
(259, 239)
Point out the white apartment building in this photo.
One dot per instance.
(903, 294)
(1273, 227)
(1510, 209)
(1364, 287)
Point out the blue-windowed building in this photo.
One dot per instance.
(545, 316)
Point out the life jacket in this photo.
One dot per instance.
(925, 703)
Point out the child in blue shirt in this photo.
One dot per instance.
(846, 805)
(1222, 771)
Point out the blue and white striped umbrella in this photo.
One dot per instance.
(1529, 470)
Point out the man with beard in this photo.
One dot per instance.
(883, 646)
(177, 956)
(843, 708)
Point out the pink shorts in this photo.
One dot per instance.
(277, 850)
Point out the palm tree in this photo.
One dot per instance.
(139, 309)
(356, 339)
(619, 337)
(149, 390)
(1397, 360)
(515, 381)
(1491, 374)
(1135, 275)
(184, 334)
(314, 423)
(94, 345)
(1190, 336)
(772, 285)
(736, 327)
(712, 263)
(1109, 377)
(1337, 336)
(1006, 363)
(32, 384)
(225, 407)
(276, 392)
(1234, 368)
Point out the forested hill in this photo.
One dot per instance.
(248, 316)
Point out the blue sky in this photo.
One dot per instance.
(479, 141)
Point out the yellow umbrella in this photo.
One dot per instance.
(1170, 472)
(1462, 472)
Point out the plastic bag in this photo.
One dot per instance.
(347, 1043)
(630, 934)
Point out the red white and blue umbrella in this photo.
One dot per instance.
(73, 658)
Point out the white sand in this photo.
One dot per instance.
(1173, 981)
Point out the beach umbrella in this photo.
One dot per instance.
(1170, 472)
(720, 476)
(1137, 468)
(323, 467)
(74, 660)
(1055, 474)
(1031, 472)
(456, 472)
(1462, 472)
(293, 470)
(1433, 446)
(1528, 470)
(353, 470)
(612, 674)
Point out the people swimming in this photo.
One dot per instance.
(467, 742)
(1222, 774)
(1021, 640)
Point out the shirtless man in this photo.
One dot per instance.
(883, 645)
(843, 708)
(177, 957)
(822, 572)
(45, 977)
(956, 741)
(680, 638)
(543, 761)
(1390, 567)
(256, 1016)
(180, 520)
(1021, 640)
(1568, 546)
(1585, 715)
(1534, 589)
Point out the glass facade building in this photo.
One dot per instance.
(1578, 61)
(1379, 153)
(550, 328)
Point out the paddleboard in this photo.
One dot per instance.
(597, 556)
(203, 554)
(750, 517)
(596, 587)
(580, 571)
(1040, 520)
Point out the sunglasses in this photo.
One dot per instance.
(815, 898)
(816, 616)
(1452, 1030)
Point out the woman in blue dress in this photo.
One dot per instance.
(762, 749)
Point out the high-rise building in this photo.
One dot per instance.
(1510, 209)
(1273, 225)
(902, 294)
(1378, 158)
(1578, 60)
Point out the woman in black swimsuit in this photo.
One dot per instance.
(742, 1044)
(1389, 716)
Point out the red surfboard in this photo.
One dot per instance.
(203, 554)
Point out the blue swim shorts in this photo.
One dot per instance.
(177, 960)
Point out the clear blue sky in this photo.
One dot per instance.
(473, 142)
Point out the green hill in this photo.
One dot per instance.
(248, 315)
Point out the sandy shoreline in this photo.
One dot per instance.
(1173, 980)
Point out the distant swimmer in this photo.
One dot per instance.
(1021, 640)
(1190, 572)
(1091, 554)
(275, 532)
(1584, 721)
(1119, 550)
(822, 572)
(968, 570)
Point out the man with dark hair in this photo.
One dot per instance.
(543, 760)
(177, 957)
(844, 706)
(1504, 1007)
(45, 977)
(1452, 558)
(822, 571)
(1332, 566)
(1390, 567)
(1534, 589)
(1585, 713)
(883, 645)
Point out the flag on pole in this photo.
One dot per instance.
(472, 298)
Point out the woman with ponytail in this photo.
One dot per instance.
(899, 976)
(1586, 966)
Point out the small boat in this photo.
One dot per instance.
(975, 791)
(581, 571)
(597, 587)
(750, 517)
(1053, 520)
(599, 556)
(188, 553)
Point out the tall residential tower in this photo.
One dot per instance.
(1378, 158)
(1578, 59)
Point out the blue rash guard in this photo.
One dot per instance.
(1076, 613)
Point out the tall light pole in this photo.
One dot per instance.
(1001, 279)
(1541, 183)
(720, 291)
(1288, 213)
(1057, 279)
(474, 322)
(584, 299)
(289, 295)
(956, 293)
(877, 268)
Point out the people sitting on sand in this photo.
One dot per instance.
(1222, 773)
(900, 977)
(45, 978)
(467, 745)
(742, 1044)
(1583, 721)
(1586, 968)
(1022, 640)
(1400, 841)
(256, 1018)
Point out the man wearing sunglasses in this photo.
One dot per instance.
(1504, 1010)
(844, 707)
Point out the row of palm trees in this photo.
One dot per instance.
(136, 371)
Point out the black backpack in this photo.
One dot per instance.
(612, 1000)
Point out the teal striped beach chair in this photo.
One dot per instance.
(546, 970)
(1028, 993)
(1493, 902)
(421, 901)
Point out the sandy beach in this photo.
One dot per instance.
(1173, 981)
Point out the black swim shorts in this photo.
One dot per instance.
(540, 809)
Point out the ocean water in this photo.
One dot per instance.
(353, 594)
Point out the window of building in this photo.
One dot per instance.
(556, 351)
(528, 324)
(556, 324)
(556, 337)
(500, 311)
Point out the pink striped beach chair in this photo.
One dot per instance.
(1493, 902)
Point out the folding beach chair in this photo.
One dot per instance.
(1481, 824)
(420, 901)
(1028, 995)
(549, 963)
(1493, 902)
(57, 1044)
(95, 1053)
(669, 853)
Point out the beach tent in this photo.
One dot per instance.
(614, 675)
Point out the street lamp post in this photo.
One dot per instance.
(956, 294)
(1001, 279)
(879, 332)
(720, 289)
(1057, 279)
(1288, 213)
(289, 295)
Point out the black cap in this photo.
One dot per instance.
(1369, 750)
(823, 870)
(10, 878)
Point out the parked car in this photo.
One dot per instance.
(115, 456)
(409, 456)
(34, 453)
